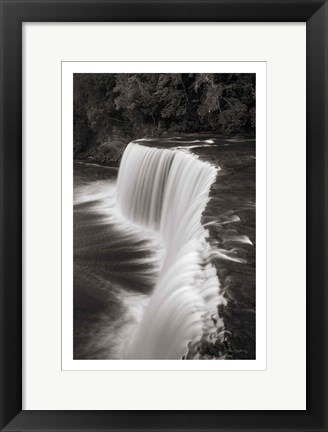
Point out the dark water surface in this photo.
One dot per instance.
(115, 267)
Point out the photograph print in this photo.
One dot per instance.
(164, 216)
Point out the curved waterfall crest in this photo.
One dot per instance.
(167, 191)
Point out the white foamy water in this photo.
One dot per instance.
(190, 147)
(132, 244)
(167, 191)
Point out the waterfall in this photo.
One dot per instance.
(167, 191)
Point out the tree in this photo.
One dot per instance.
(150, 104)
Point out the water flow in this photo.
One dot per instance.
(167, 191)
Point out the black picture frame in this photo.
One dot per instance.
(13, 14)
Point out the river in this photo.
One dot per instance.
(116, 265)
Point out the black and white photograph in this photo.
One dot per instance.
(164, 216)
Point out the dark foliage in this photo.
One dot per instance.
(111, 109)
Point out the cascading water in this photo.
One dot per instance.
(167, 191)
